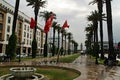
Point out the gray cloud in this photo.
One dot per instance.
(75, 11)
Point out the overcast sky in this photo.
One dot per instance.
(75, 12)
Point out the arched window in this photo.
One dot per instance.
(1, 17)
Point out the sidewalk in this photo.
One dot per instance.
(84, 64)
(90, 71)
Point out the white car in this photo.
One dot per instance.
(82, 52)
(22, 55)
(2, 54)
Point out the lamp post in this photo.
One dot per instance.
(20, 50)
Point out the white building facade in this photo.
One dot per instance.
(23, 30)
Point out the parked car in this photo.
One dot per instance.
(22, 55)
(2, 54)
(49, 54)
(82, 52)
(4, 57)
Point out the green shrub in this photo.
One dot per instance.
(11, 48)
(70, 58)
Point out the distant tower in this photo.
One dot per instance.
(81, 46)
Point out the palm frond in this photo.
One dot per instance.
(54, 24)
(47, 14)
(93, 2)
(36, 3)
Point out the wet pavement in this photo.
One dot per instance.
(89, 70)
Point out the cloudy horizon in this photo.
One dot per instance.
(75, 12)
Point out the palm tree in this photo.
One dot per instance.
(36, 4)
(87, 45)
(62, 33)
(13, 38)
(65, 35)
(75, 47)
(58, 49)
(112, 55)
(58, 30)
(90, 30)
(54, 25)
(94, 17)
(69, 39)
(73, 42)
(89, 36)
(46, 15)
(89, 39)
(100, 10)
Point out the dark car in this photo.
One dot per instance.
(82, 52)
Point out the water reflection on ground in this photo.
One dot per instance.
(91, 71)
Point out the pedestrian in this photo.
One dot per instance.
(106, 61)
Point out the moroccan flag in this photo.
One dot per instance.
(65, 25)
(32, 23)
(48, 24)
(46, 28)
(52, 17)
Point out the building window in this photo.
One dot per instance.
(27, 35)
(20, 25)
(7, 37)
(25, 27)
(19, 40)
(30, 42)
(24, 34)
(39, 39)
(28, 28)
(8, 28)
(1, 17)
(0, 36)
(27, 42)
(24, 40)
(9, 19)
(1, 26)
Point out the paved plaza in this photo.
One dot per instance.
(89, 70)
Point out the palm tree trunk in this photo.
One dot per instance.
(53, 41)
(58, 51)
(15, 16)
(58, 40)
(65, 44)
(101, 39)
(62, 45)
(100, 6)
(68, 46)
(46, 43)
(11, 48)
(34, 42)
(111, 55)
(36, 10)
(35, 27)
(96, 43)
(45, 46)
